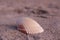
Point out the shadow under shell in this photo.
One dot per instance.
(22, 29)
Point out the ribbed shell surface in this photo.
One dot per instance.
(31, 26)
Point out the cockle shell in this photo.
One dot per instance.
(29, 26)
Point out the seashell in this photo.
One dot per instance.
(28, 26)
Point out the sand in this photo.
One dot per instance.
(45, 12)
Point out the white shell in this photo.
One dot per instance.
(31, 26)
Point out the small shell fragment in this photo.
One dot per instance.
(29, 26)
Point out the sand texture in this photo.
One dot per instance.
(45, 12)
